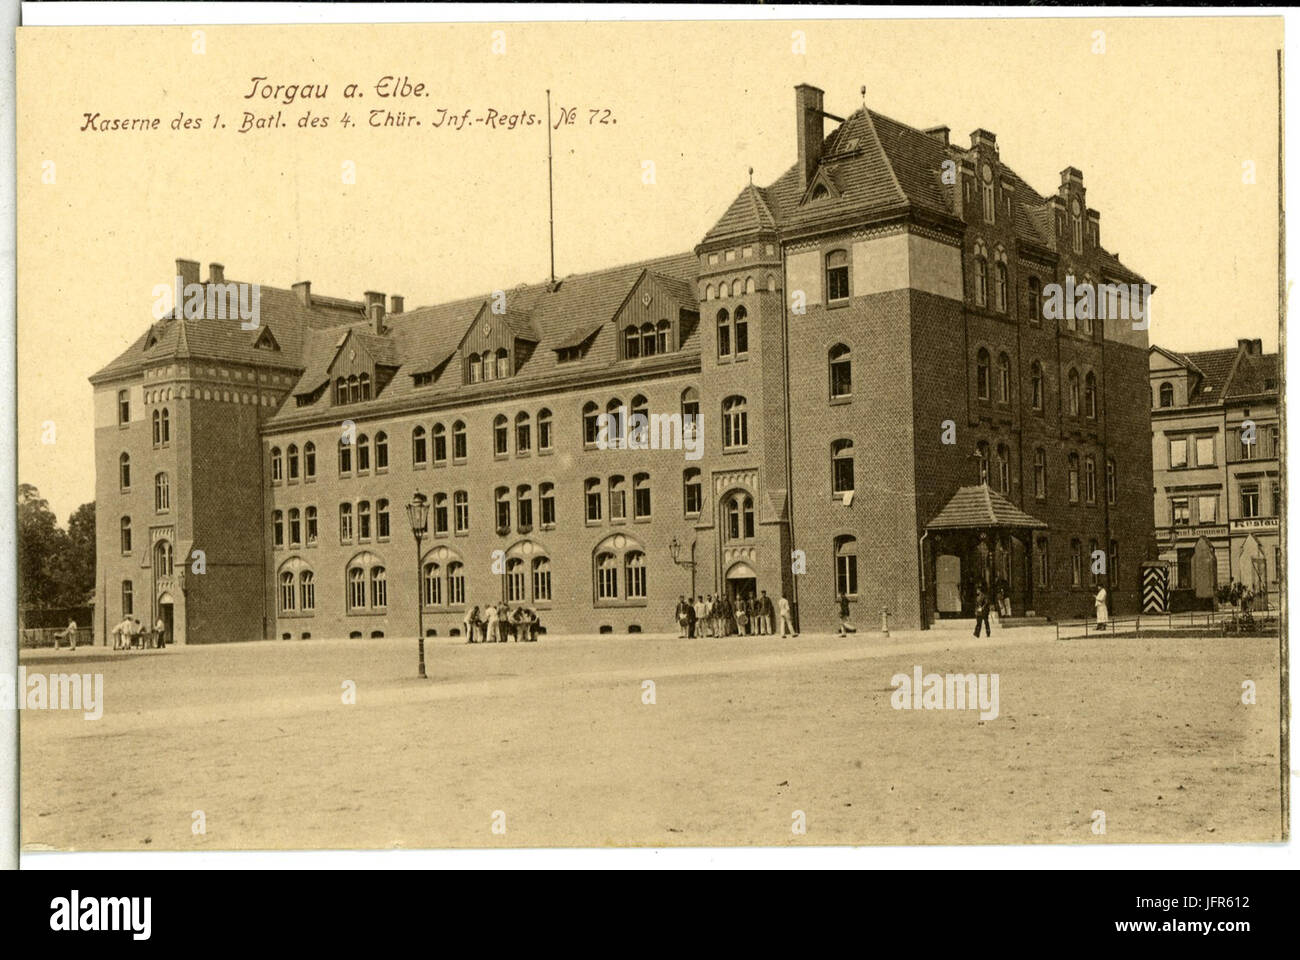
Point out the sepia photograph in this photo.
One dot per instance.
(765, 431)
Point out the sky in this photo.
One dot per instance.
(1167, 118)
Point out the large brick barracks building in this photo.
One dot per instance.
(883, 411)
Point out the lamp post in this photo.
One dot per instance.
(417, 512)
(674, 550)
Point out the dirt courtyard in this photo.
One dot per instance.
(745, 740)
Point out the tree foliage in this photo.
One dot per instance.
(56, 567)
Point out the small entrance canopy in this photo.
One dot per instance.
(980, 508)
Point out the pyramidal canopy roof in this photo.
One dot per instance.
(982, 506)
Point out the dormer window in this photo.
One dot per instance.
(820, 192)
(503, 364)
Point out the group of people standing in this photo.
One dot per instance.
(131, 635)
(722, 616)
(498, 624)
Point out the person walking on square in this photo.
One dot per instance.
(982, 608)
(159, 634)
(1103, 612)
(787, 628)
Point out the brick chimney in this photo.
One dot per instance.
(188, 271)
(811, 129)
(1252, 347)
(375, 311)
(303, 289)
(397, 304)
(216, 273)
(940, 134)
(984, 138)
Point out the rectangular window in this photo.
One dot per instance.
(1205, 451)
(1178, 453)
(1179, 512)
(1249, 500)
(846, 574)
(123, 407)
(1207, 509)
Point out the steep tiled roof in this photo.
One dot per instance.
(281, 310)
(1215, 367)
(981, 506)
(1253, 375)
(423, 339)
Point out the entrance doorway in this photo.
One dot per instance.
(165, 609)
(742, 582)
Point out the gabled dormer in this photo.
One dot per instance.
(362, 366)
(822, 186)
(265, 340)
(650, 320)
(497, 345)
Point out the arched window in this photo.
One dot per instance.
(128, 598)
(419, 447)
(523, 433)
(460, 510)
(634, 569)
(1004, 378)
(313, 533)
(638, 425)
(1072, 477)
(441, 520)
(363, 520)
(617, 499)
(690, 415)
(340, 390)
(456, 583)
(631, 343)
(1040, 474)
(546, 505)
(309, 461)
(1072, 392)
(735, 423)
(488, 366)
(1000, 287)
(291, 461)
(354, 389)
(382, 527)
(663, 336)
(288, 592)
(820, 192)
(541, 579)
(1090, 395)
(1076, 563)
(594, 496)
(459, 441)
(381, 451)
(837, 277)
(503, 363)
(738, 511)
(981, 281)
(982, 389)
(1004, 468)
(1036, 385)
(378, 587)
(124, 471)
(345, 523)
(641, 496)
(614, 418)
(982, 455)
(590, 423)
(1166, 394)
(741, 325)
(500, 435)
(125, 530)
(524, 507)
(724, 333)
(606, 576)
(162, 558)
(841, 371)
(1035, 290)
(1112, 481)
(431, 583)
(647, 339)
(472, 367)
(307, 590)
(515, 580)
(277, 465)
(356, 589)
(157, 428)
(846, 566)
(363, 453)
(295, 527)
(544, 426)
(841, 467)
(365, 386)
(1090, 479)
(345, 455)
(692, 492)
(162, 497)
(439, 445)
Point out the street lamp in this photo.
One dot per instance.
(417, 512)
(674, 550)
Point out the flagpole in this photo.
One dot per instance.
(550, 184)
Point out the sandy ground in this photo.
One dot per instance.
(553, 742)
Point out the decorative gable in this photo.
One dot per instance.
(265, 340)
(822, 187)
(649, 321)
